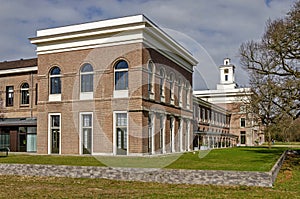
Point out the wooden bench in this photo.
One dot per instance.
(6, 150)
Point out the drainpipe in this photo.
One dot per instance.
(31, 95)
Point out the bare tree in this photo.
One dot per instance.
(274, 67)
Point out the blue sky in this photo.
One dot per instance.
(211, 30)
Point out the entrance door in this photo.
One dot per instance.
(121, 141)
(22, 142)
(54, 133)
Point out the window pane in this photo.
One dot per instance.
(87, 82)
(55, 85)
(87, 120)
(25, 97)
(121, 65)
(55, 71)
(121, 80)
(121, 119)
(55, 121)
(87, 68)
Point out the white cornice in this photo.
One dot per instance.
(126, 30)
(19, 70)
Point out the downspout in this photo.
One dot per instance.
(31, 95)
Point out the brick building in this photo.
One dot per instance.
(234, 99)
(114, 87)
(18, 112)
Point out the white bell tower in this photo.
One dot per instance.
(226, 76)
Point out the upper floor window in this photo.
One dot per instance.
(9, 95)
(121, 75)
(179, 92)
(243, 122)
(86, 78)
(187, 94)
(150, 76)
(171, 81)
(162, 83)
(55, 81)
(25, 94)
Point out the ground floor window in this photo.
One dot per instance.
(4, 139)
(121, 133)
(55, 122)
(150, 133)
(86, 133)
(243, 137)
(18, 139)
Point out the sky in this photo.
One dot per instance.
(210, 29)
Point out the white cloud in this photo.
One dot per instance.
(217, 27)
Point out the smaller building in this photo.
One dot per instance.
(18, 94)
(212, 126)
(234, 99)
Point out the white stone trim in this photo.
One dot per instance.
(54, 97)
(18, 70)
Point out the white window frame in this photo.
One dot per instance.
(86, 95)
(81, 132)
(162, 82)
(121, 93)
(172, 132)
(172, 82)
(151, 80)
(115, 132)
(49, 131)
(57, 96)
(179, 85)
(24, 91)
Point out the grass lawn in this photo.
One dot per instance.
(287, 186)
(237, 159)
(240, 159)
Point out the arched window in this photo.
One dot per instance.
(179, 92)
(171, 82)
(150, 77)
(187, 94)
(121, 75)
(24, 94)
(162, 83)
(86, 78)
(55, 82)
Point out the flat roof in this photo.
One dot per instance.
(21, 63)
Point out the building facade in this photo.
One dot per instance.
(234, 99)
(114, 87)
(18, 112)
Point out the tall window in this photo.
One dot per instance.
(55, 133)
(121, 133)
(150, 129)
(187, 94)
(150, 78)
(179, 92)
(161, 133)
(121, 75)
(243, 122)
(87, 128)
(55, 81)
(9, 95)
(162, 83)
(25, 94)
(171, 81)
(86, 78)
